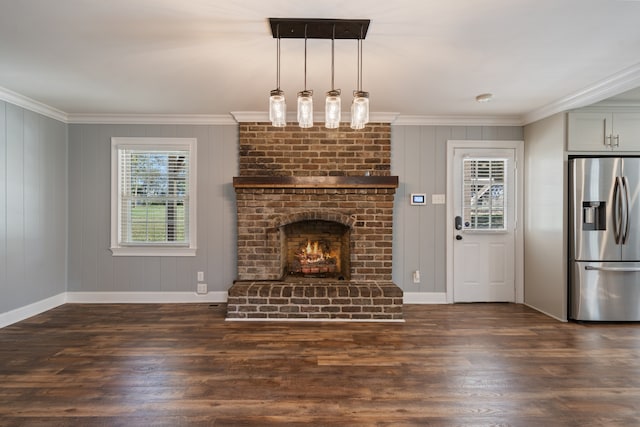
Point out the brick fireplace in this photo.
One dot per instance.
(315, 215)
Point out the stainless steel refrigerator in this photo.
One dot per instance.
(604, 247)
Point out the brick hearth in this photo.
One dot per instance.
(303, 300)
(289, 175)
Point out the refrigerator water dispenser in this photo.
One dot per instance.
(594, 216)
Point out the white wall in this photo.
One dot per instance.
(33, 207)
(545, 216)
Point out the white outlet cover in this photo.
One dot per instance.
(202, 288)
(200, 276)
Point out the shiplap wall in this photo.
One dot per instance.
(418, 157)
(33, 207)
(91, 264)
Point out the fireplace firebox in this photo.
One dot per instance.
(316, 249)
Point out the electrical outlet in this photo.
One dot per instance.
(202, 288)
(416, 276)
(200, 276)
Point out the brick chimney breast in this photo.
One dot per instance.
(288, 175)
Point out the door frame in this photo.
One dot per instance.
(518, 146)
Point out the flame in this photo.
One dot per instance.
(316, 257)
(314, 250)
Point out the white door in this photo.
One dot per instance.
(483, 236)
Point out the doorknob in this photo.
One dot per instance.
(458, 237)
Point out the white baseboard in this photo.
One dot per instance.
(22, 313)
(144, 297)
(38, 307)
(425, 298)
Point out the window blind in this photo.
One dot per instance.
(484, 194)
(154, 197)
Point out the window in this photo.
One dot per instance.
(153, 197)
(483, 192)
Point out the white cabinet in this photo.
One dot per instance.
(603, 131)
(626, 131)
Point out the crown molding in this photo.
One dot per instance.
(627, 79)
(612, 107)
(82, 118)
(32, 105)
(618, 104)
(152, 119)
(406, 120)
(263, 116)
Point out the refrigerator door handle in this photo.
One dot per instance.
(617, 211)
(622, 269)
(625, 186)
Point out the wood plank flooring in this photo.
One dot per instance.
(448, 365)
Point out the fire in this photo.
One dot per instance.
(313, 251)
(315, 257)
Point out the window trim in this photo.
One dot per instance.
(147, 249)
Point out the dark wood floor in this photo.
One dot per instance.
(451, 365)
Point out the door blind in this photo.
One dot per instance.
(484, 192)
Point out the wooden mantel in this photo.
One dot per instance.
(315, 181)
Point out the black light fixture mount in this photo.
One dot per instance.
(294, 28)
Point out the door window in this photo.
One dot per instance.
(483, 192)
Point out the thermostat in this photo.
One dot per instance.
(418, 199)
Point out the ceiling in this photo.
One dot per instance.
(421, 57)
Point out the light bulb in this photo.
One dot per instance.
(305, 109)
(277, 108)
(332, 109)
(360, 110)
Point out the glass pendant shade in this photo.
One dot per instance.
(305, 108)
(332, 109)
(360, 110)
(277, 108)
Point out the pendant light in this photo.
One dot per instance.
(360, 105)
(277, 104)
(312, 28)
(305, 98)
(332, 103)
